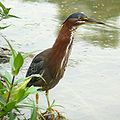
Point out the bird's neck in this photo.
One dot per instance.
(63, 43)
(65, 37)
(61, 49)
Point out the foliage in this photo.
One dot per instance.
(11, 92)
(5, 14)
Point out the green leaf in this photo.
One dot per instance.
(18, 96)
(14, 16)
(33, 114)
(22, 85)
(31, 90)
(4, 27)
(18, 93)
(18, 62)
(25, 105)
(5, 10)
(7, 108)
(12, 116)
(2, 6)
(1, 85)
(2, 100)
(8, 79)
(8, 76)
(2, 113)
(11, 48)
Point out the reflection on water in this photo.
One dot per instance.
(106, 11)
(89, 89)
(101, 36)
(103, 10)
(98, 8)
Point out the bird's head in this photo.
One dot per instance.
(77, 19)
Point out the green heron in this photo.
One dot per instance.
(51, 63)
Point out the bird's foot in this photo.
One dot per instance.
(51, 115)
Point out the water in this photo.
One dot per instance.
(90, 87)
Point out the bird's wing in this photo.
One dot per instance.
(36, 66)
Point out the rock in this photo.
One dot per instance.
(4, 55)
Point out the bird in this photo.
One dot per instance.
(51, 63)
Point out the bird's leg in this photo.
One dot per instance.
(48, 102)
(37, 98)
(50, 111)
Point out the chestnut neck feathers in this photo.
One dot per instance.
(61, 48)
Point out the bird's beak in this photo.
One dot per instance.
(89, 20)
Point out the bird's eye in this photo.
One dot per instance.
(80, 18)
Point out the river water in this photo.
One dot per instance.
(90, 88)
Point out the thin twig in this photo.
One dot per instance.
(9, 93)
